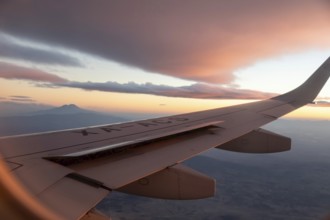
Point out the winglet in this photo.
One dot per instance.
(308, 91)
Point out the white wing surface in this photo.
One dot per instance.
(66, 173)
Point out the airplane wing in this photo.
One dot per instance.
(64, 174)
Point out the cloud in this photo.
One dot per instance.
(21, 98)
(320, 104)
(10, 49)
(197, 40)
(198, 90)
(10, 71)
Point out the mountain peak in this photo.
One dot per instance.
(62, 110)
(67, 109)
(69, 106)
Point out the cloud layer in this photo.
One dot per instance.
(197, 40)
(9, 71)
(198, 90)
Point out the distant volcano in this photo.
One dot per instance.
(62, 110)
(63, 117)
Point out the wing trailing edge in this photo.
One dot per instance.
(177, 182)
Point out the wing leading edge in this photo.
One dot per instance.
(142, 157)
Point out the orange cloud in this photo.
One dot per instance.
(197, 40)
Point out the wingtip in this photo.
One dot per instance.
(308, 91)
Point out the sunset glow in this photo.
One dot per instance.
(163, 58)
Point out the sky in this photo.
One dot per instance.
(163, 57)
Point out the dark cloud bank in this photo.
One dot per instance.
(197, 40)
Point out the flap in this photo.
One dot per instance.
(38, 174)
(59, 189)
(177, 182)
(72, 199)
